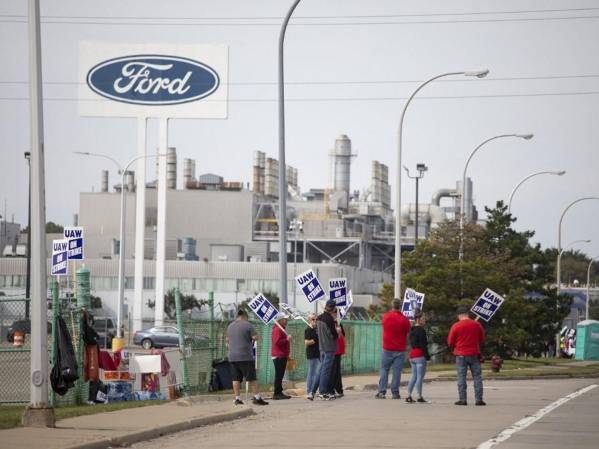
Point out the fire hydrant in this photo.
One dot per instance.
(496, 363)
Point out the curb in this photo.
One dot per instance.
(156, 432)
(374, 387)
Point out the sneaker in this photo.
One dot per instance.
(422, 400)
(409, 400)
(238, 402)
(481, 402)
(460, 403)
(380, 395)
(310, 397)
(327, 397)
(259, 401)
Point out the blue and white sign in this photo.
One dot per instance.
(153, 80)
(338, 291)
(412, 300)
(74, 234)
(342, 310)
(263, 308)
(60, 257)
(310, 286)
(487, 304)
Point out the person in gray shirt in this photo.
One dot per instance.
(241, 336)
(327, 330)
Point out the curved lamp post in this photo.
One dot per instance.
(475, 73)
(559, 236)
(546, 172)
(121, 279)
(282, 166)
(463, 213)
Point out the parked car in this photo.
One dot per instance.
(24, 326)
(164, 337)
(104, 326)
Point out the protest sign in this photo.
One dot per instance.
(412, 300)
(310, 286)
(292, 312)
(342, 310)
(487, 304)
(74, 234)
(60, 257)
(338, 291)
(263, 308)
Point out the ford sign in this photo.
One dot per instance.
(153, 80)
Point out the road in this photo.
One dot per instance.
(360, 421)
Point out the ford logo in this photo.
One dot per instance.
(153, 80)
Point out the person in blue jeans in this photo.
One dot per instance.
(395, 330)
(327, 330)
(418, 357)
(312, 357)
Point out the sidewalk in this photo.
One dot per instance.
(123, 427)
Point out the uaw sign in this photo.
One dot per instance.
(60, 257)
(338, 291)
(153, 80)
(263, 308)
(74, 234)
(412, 300)
(487, 304)
(310, 286)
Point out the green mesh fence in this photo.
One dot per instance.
(205, 341)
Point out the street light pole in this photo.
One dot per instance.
(476, 73)
(559, 256)
(463, 213)
(282, 166)
(526, 178)
(28, 280)
(421, 169)
(122, 231)
(559, 237)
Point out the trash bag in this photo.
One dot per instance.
(65, 371)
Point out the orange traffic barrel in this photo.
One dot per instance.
(18, 339)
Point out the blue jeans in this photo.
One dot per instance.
(418, 372)
(312, 376)
(326, 368)
(462, 364)
(391, 360)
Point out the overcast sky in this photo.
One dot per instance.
(351, 63)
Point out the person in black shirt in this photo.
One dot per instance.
(418, 356)
(312, 357)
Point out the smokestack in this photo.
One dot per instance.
(104, 183)
(171, 168)
(341, 159)
(271, 178)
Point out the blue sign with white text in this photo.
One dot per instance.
(154, 80)
(310, 286)
(487, 304)
(60, 257)
(263, 308)
(338, 291)
(74, 234)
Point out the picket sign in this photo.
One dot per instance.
(264, 310)
(486, 305)
(412, 300)
(310, 286)
(60, 257)
(338, 291)
(344, 309)
(292, 312)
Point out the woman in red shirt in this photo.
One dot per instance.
(418, 357)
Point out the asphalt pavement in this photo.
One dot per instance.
(360, 421)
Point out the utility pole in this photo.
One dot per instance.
(28, 279)
(421, 168)
(38, 413)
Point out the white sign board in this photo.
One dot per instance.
(487, 304)
(263, 308)
(60, 257)
(74, 234)
(310, 285)
(338, 291)
(342, 310)
(145, 364)
(153, 80)
(412, 300)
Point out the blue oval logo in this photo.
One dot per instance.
(155, 80)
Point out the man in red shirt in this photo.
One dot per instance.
(395, 331)
(465, 337)
(280, 350)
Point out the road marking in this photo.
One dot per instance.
(525, 422)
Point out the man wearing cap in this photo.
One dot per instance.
(396, 328)
(280, 354)
(465, 337)
(241, 336)
(327, 330)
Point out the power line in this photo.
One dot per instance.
(361, 16)
(347, 99)
(354, 82)
(295, 23)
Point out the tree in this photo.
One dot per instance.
(497, 257)
(188, 303)
(51, 228)
(386, 296)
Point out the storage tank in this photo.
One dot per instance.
(341, 164)
(189, 172)
(104, 183)
(171, 168)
